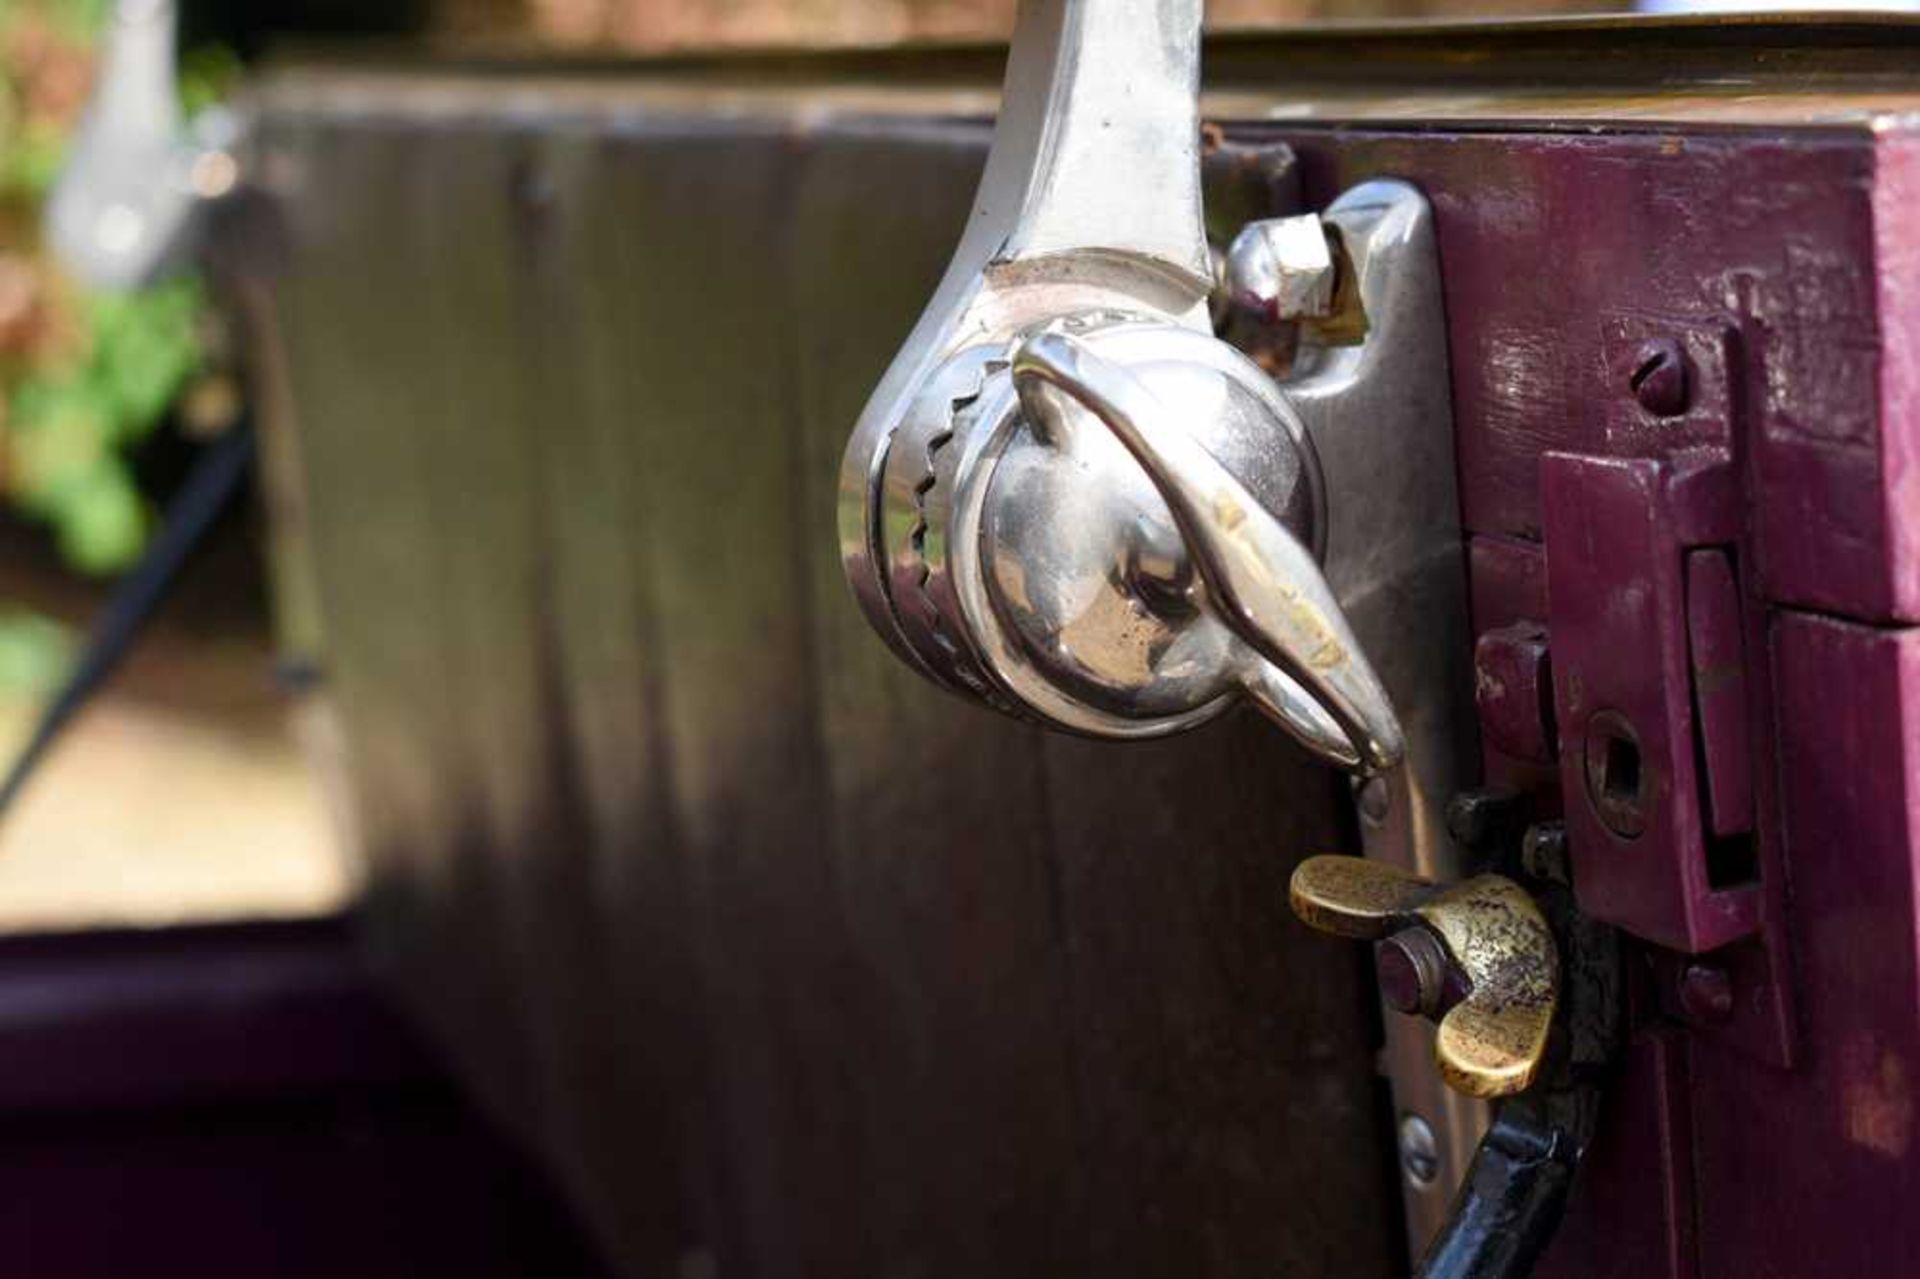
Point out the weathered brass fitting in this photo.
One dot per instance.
(1502, 983)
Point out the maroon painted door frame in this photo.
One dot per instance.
(1770, 1127)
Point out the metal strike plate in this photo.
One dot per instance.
(1380, 413)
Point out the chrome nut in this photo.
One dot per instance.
(1282, 269)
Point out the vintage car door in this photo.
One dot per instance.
(1552, 473)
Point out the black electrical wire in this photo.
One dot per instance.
(218, 477)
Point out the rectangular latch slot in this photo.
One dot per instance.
(1716, 651)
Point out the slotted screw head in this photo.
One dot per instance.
(1659, 378)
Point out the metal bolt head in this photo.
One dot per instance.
(1412, 968)
(1659, 378)
(1487, 820)
(1543, 853)
(1513, 691)
(1282, 269)
(1706, 992)
(1419, 1151)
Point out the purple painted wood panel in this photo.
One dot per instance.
(1559, 248)
(1816, 1171)
(1635, 1214)
(1896, 213)
(1786, 265)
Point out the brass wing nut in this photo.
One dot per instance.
(1492, 1040)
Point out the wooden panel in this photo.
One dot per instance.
(638, 1104)
(790, 964)
(941, 848)
(393, 683)
(651, 25)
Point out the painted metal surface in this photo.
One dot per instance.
(240, 1100)
(188, 1017)
(795, 968)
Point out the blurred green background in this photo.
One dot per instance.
(180, 792)
(83, 375)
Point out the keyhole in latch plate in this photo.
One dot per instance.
(1616, 779)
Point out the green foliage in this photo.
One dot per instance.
(35, 654)
(86, 374)
(76, 20)
(207, 77)
(70, 426)
(31, 158)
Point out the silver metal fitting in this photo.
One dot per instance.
(131, 202)
(1282, 269)
(1419, 1151)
